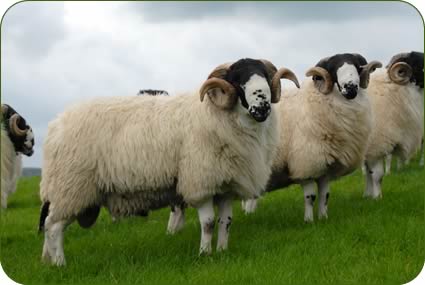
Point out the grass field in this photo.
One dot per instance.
(362, 242)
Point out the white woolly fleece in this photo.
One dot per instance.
(318, 130)
(398, 117)
(130, 144)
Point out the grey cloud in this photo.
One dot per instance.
(284, 12)
(33, 27)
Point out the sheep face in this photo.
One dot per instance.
(411, 68)
(345, 70)
(19, 132)
(253, 84)
(348, 71)
(253, 87)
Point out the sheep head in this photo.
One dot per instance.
(348, 71)
(19, 132)
(407, 67)
(253, 83)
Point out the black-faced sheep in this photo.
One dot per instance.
(17, 138)
(218, 142)
(325, 128)
(396, 95)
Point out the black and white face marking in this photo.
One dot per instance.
(345, 71)
(416, 61)
(28, 143)
(348, 80)
(23, 144)
(252, 82)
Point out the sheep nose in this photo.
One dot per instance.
(350, 90)
(261, 112)
(28, 152)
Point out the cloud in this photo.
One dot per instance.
(33, 27)
(283, 12)
(55, 55)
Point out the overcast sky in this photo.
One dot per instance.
(54, 54)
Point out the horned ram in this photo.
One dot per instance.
(17, 138)
(217, 143)
(396, 95)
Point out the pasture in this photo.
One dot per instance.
(362, 242)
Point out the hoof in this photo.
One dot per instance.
(205, 251)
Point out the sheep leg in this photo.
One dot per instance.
(388, 159)
(3, 199)
(363, 167)
(400, 163)
(377, 172)
(206, 219)
(224, 222)
(323, 187)
(176, 220)
(309, 198)
(249, 206)
(53, 241)
(421, 162)
(369, 182)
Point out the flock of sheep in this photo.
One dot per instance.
(237, 137)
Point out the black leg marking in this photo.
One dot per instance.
(327, 198)
(209, 227)
(43, 215)
(311, 198)
(229, 223)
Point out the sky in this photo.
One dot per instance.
(54, 54)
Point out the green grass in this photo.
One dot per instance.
(362, 242)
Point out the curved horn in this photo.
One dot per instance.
(276, 75)
(226, 99)
(13, 124)
(400, 73)
(220, 71)
(212, 83)
(4, 109)
(276, 87)
(328, 85)
(367, 70)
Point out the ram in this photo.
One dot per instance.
(396, 95)
(324, 129)
(17, 138)
(217, 143)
